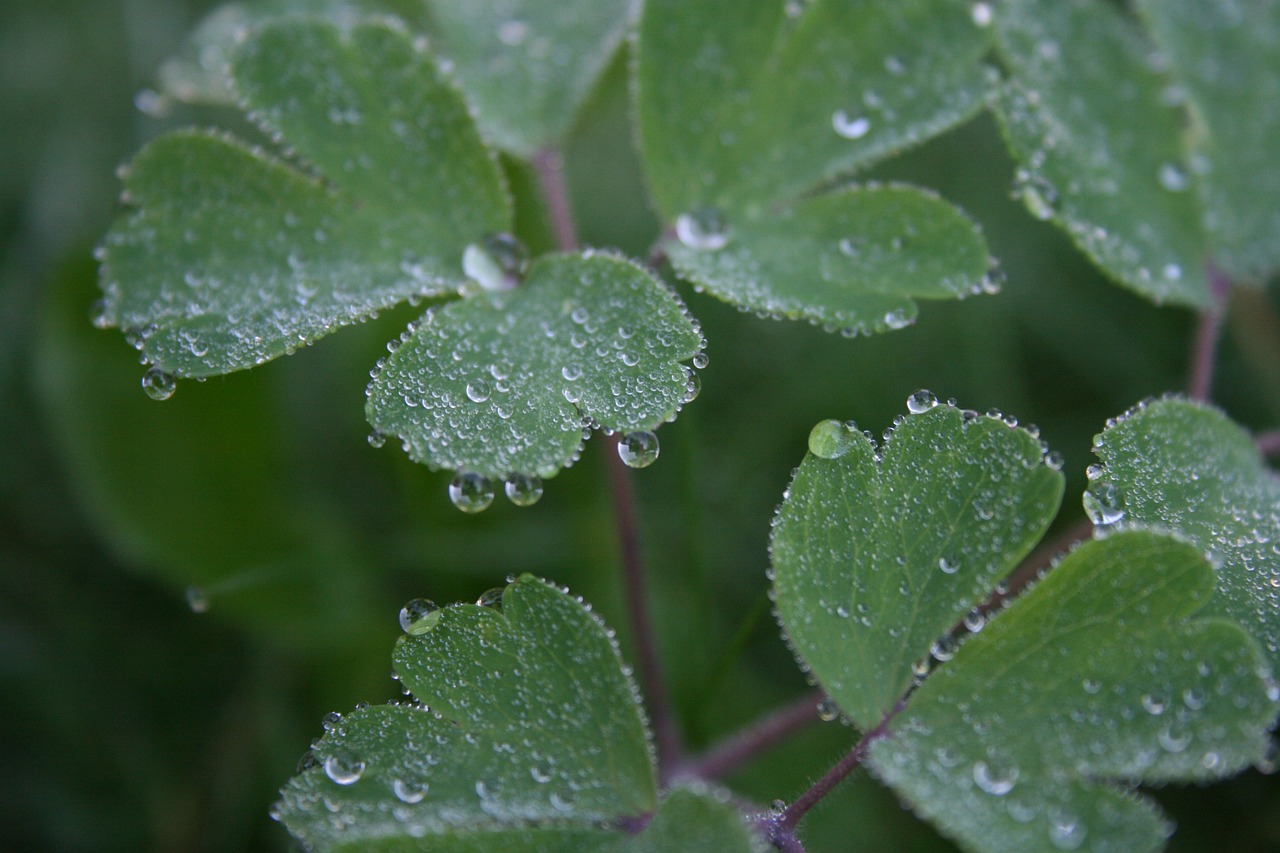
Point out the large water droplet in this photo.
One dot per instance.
(1103, 505)
(850, 127)
(921, 401)
(419, 616)
(496, 263)
(638, 449)
(344, 766)
(478, 391)
(994, 777)
(471, 492)
(523, 489)
(409, 792)
(828, 710)
(705, 229)
(492, 598)
(158, 384)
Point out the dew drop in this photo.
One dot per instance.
(981, 14)
(523, 489)
(700, 360)
(409, 792)
(704, 229)
(974, 621)
(571, 372)
(158, 384)
(921, 401)
(344, 766)
(1036, 193)
(1173, 178)
(471, 492)
(1102, 504)
(1154, 704)
(497, 262)
(995, 778)
(1174, 737)
(831, 439)
(419, 616)
(478, 391)
(1054, 460)
(777, 808)
(828, 710)
(638, 449)
(895, 320)
(850, 127)
(377, 438)
(948, 567)
(1066, 832)
(491, 598)
(197, 599)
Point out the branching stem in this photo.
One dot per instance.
(737, 749)
(1204, 351)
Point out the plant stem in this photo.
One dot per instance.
(1268, 443)
(727, 755)
(1204, 351)
(781, 829)
(549, 166)
(1039, 559)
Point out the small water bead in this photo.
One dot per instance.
(157, 384)
(1173, 178)
(571, 372)
(100, 315)
(1054, 460)
(471, 492)
(1153, 704)
(419, 616)
(1066, 832)
(700, 360)
(1036, 193)
(638, 449)
(948, 567)
(921, 402)
(197, 599)
(377, 439)
(1091, 685)
(981, 14)
(497, 262)
(705, 229)
(975, 620)
(850, 127)
(994, 778)
(828, 710)
(492, 598)
(777, 808)
(478, 391)
(523, 489)
(895, 320)
(344, 766)
(944, 649)
(692, 388)
(409, 792)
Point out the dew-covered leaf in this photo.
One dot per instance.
(529, 738)
(1224, 58)
(855, 259)
(741, 105)
(231, 257)
(1097, 679)
(528, 65)
(506, 383)
(1185, 466)
(879, 551)
(1099, 152)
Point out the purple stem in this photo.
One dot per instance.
(1268, 443)
(1204, 351)
(549, 166)
(737, 749)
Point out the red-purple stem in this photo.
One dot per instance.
(1204, 351)
(737, 749)
(549, 166)
(1268, 443)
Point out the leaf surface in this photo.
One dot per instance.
(878, 552)
(528, 65)
(505, 385)
(530, 739)
(1224, 58)
(1099, 152)
(231, 257)
(1185, 466)
(1097, 679)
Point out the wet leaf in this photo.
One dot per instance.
(1099, 152)
(530, 739)
(1223, 58)
(230, 256)
(1185, 466)
(855, 259)
(505, 383)
(528, 65)
(1097, 679)
(879, 552)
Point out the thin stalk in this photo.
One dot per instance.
(549, 166)
(737, 749)
(1039, 560)
(1204, 349)
(1269, 443)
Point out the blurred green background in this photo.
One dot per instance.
(187, 587)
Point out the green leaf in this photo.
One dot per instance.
(1098, 679)
(1224, 59)
(528, 65)
(1098, 151)
(1185, 466)
(878, 552)
(742, 105)
(854, 259)
(231, 257)
(506, 383)
(530, 738)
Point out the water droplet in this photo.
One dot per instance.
(831, 439)
(541, 775)
(705, 229)
(1054, 460)
(523, 489)
(470, 492)
(638, 449)
(491, 598)
(1173, 178)
(419, 616)
(944, 649)
(1172, 272)
(700, 360)
(344, 766)
(850, 127)
(571, 372)
(995, 778)
(895, 320)
(512, 32)
(1154, 704)
(1102, 504)
(777, 808)
(981, 14)
(197, 599)
(921, 401)
(478, 391)
(692, 387)
(158, 384)
(1174, 737)
(496, 263)
(1036, 193)
(100, 315)
(948, 567)
(409, 792)
(974, 621)
(828, 710)
(1066, 832)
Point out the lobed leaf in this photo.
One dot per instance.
(1223, 58)
(1097, 679)
(528, 65)
(506, 384)
(1185, 466)
(531, 740)
(878, 552)
(231, 257)
(1099, 152)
